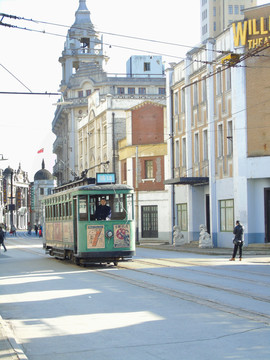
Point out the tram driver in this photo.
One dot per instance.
(103, 211)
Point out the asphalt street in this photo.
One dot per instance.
(11, 349)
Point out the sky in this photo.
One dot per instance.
(29, 60)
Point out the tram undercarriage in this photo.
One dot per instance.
(84, 259)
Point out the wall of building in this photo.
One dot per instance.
(143, 65)
(256, 207)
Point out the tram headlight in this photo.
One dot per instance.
(109, 233)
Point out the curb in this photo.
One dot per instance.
(11, 350)
(248, 250)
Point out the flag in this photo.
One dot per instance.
(40, 151)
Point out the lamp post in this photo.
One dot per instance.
(11, 199)
(2, 159)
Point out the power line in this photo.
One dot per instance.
(15, 77)
(106, 33)
(28, 93)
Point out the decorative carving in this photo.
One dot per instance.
(178, 237)
(205, 240)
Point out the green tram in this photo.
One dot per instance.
(71, 228)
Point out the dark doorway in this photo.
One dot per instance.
(207, 212)
(267, 214)
(149, 221)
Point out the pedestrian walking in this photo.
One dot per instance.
(29, 227)
(13, 230)
(238, 240)
(2, 238)
(40, 231)
(36, 229)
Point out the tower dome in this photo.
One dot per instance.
(7, 171)
(43, 174)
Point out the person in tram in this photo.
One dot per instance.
(103, 211)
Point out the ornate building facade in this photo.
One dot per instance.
(90, 118)
(15, 198)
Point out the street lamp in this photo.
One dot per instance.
(12, 206)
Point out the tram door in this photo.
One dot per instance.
(267, 214)
(75, 222)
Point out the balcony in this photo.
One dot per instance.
(58, 144)
(58, 168)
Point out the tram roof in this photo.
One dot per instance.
(106, 187)
(93, 187)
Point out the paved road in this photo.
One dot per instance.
(163, 305)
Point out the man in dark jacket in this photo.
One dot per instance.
(238, 240)
(103, 211)
(2, 238)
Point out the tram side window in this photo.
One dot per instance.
(83, 210)
(130, 207)
(118, 208)
(70, 208)
(60, 210)
(92, 207)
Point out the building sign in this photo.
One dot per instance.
(252, 32)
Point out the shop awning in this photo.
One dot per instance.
(194, 181)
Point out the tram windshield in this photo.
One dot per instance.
(106, 207)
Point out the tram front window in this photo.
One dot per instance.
(111, 207)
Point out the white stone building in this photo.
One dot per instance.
(15, 185)
(87, 89)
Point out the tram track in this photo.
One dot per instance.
(199, 283)
(210, 302)
(213, 304)
(138, 266)
(194, 267)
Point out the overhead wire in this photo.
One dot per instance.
(111, 33)
(15, 78)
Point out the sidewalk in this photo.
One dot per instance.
(193, 247)
(11, 350)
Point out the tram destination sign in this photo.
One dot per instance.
(105, 178)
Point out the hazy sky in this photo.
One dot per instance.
(32, 57)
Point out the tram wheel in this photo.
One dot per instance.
(115, 263)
